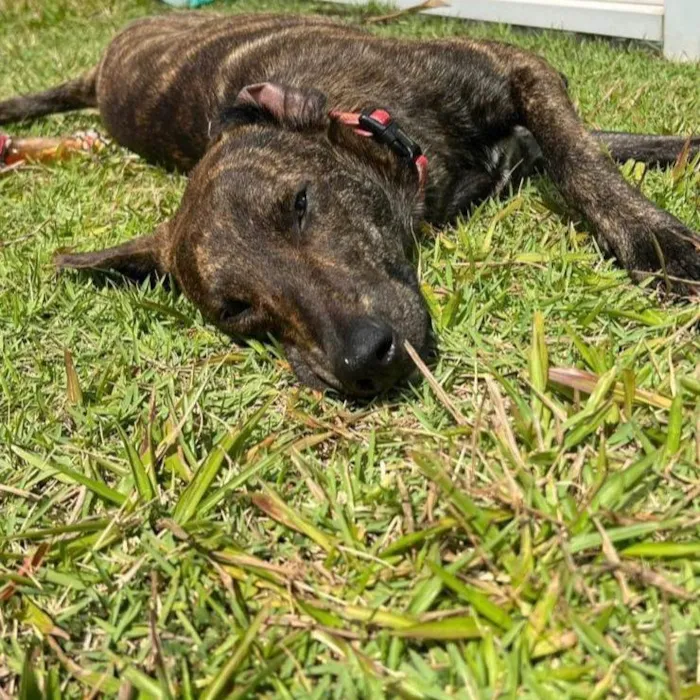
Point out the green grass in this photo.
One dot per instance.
(207, 526)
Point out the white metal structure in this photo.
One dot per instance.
(676, 23)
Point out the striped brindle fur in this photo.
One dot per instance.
(292, 224)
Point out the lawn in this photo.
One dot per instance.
(181, 519)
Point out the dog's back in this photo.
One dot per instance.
(163, 80)
(483, 113)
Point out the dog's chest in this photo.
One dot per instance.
(482, 168)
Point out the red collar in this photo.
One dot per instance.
(380, 125)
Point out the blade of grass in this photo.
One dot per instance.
(414, 539)
(474, 597)
(271, 504)
(100, 489)
(663, 550)
(143, 480)
(224, 677)
(231, 445)
(474, 515)
(449, 628)
(539, 368)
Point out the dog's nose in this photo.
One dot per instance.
(368, 356)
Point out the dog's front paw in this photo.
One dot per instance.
(663, 247)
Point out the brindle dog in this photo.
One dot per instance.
(294, 224)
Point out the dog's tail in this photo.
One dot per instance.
(75, 94)
(658, 151)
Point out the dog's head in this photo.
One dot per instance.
(294, 225)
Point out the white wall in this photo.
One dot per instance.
(677, 23)
(682, 30)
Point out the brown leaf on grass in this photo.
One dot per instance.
(586, 382)
(75, 393)
(681, 162)
(420, 7)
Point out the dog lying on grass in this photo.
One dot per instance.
(314, 149)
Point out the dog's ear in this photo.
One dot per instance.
(136, 258)
(292, 107)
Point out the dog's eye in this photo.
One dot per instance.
(300, 205)
(234, 310)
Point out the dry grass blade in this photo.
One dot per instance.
(74, 392)
(435, 386)
(587, 381)
(682, 161)
(612, 556)
(649, 577)
(504, 432)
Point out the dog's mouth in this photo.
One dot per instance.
(361, 356)
(315, 376)
(311, 373)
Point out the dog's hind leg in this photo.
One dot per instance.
(644, 238)
(75, 94)
(658, 151)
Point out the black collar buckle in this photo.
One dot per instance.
(385, 130)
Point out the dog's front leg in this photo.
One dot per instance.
(644, 238)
